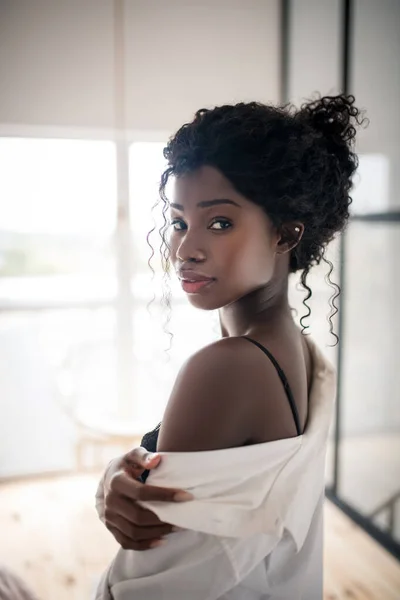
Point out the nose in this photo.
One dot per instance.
(190, 248)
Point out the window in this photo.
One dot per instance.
(57, 215)
(58, 200)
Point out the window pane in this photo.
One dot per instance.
(371, 192)
(57, 290)
(57, 206)
(57, 369)
(374, 67)
(370, 445)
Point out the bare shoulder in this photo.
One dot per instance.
(210, 405)
(229, 351)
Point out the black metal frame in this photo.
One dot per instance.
(285, 46)
(331, 492)
(389, 217)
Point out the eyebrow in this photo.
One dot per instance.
(207, 203)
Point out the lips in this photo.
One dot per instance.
(193, 276)
(193, 281)
(194, 287)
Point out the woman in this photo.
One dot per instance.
(259, 193)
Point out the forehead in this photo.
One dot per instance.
(205, 183)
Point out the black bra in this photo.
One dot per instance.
(284, 380)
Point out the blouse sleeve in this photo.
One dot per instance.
(234, 522)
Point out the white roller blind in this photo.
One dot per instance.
(56, 62)
(57, 59)
(183, 55)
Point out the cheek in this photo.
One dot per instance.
(253, 264)
(173, 245)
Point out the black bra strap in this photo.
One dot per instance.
(284, 380)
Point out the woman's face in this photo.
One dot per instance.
(219, 234)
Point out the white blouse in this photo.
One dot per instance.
(254, 530)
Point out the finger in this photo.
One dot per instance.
(137, 533)
(123, 484)
(131, 511)
(140, 459)
(145, 517)
(162, 494)
(122, 539)
(128, 544)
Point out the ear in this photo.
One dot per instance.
(290, 235)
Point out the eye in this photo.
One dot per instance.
(175, 222)
(224, 222)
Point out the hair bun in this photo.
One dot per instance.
(335, 118)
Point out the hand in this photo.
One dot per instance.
(134, 527)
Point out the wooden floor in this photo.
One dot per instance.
(50, 535)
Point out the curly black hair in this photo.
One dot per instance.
(297, 164)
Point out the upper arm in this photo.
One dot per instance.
(211, 404)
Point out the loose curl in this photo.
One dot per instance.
(297, 164)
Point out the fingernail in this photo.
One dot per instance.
(183, 497)
(158, 543)
(151, 457)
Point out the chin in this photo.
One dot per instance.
(203, 303)
(212, 301)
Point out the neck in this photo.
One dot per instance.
(263, 309)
